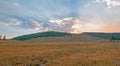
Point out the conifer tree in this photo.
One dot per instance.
(0, 37)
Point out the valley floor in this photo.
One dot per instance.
(16, 53)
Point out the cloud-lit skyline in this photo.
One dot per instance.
(19, 17)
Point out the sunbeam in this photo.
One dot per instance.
(72, 16)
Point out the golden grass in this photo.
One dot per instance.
(59, 53)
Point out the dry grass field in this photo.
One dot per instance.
(16, 53)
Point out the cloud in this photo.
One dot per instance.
(33, 25)
(81, 25)
(61, 21)
(14, 23)
(75, 25)
(11, 22)
(63, 25)
(110, 3)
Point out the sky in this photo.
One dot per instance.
(19, 17)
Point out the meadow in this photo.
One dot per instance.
(21, 53)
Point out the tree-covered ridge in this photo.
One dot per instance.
(113, 36)
(42, 34)
(110, 36)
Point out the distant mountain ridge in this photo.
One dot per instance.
(61, 36)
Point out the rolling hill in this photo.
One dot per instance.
(60, 36)
(42, 34)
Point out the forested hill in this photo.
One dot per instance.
(116, 36)
(58, 35)
(41, 34)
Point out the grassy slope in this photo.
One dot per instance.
(69, 38)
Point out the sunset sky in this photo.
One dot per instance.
(19, 17)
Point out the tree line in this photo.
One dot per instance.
(113, 38)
